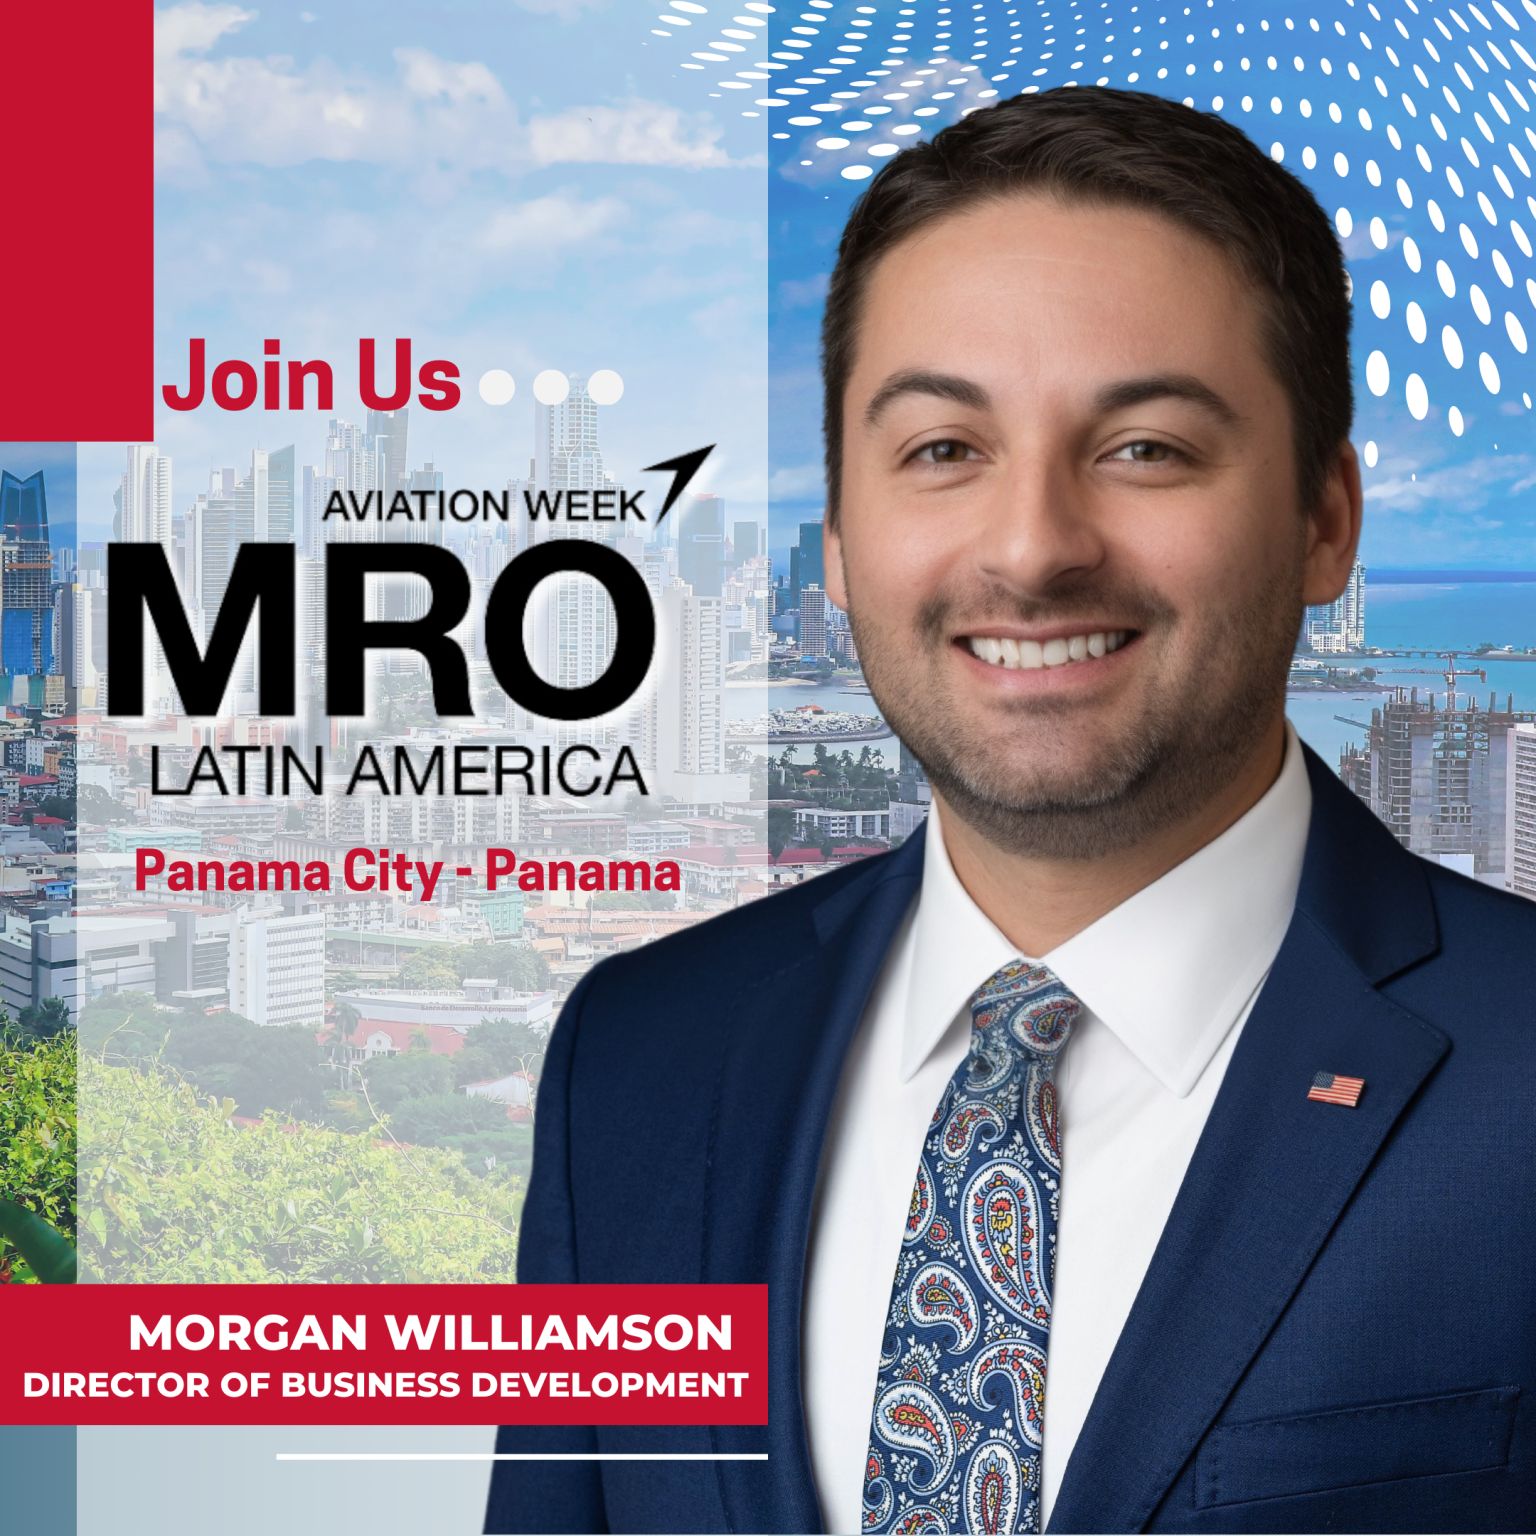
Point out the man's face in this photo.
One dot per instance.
(1070, 542)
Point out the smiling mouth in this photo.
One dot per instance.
(1032, 655)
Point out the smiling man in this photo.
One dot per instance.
(1145, 1146)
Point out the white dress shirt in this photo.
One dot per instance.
(1166, 980)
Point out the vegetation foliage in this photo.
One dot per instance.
(37, 1135)
(174, 1189)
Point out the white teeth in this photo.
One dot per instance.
(1029, 655)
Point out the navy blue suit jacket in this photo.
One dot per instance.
(1338, 1327)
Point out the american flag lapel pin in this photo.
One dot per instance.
(1334, 1088)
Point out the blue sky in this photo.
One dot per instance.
(1433, 498)
(522, 185)
(560, 183)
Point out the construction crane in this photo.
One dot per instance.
(1450, 672)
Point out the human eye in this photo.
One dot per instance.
(1148, 450)
(943, 451)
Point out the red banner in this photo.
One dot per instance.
(77, 296)
(396, 1354)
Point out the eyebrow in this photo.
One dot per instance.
(1162, 386)
(1113, 397)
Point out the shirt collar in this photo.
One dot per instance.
(1169, 970)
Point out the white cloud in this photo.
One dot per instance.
(547, 223)
(801, 482)
(426, 75)
(195, 28)
(804, 292)
(1453, 488)
(260, 109)
(566, 10)
(634, 133)
(441, 117)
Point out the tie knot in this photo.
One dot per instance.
(1025, 1007)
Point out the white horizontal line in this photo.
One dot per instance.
(520, 1456)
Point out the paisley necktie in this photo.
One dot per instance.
(959, 1402)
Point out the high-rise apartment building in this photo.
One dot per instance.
(1520, 810)
(277, 967)
(144, 497)
(813, 621)
(258, 505)
(690, 698)
(1338, 628)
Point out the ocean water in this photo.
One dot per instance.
(1403, 610)
(1435, 611)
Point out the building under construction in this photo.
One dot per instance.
(1436, 772)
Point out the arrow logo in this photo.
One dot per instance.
(684, 467)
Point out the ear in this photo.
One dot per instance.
(832, 565)
(1333, 529)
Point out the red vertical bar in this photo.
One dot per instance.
(77, 276)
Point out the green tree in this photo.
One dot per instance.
(392, 1080)
(44, 1020)
(631, 901)
(123, 1026)
(37, 1134)
(275, 1068)
(495, 1047)
(781, 828)
(97, 808)
(429, 1119)
(430, 971)
(518, 966)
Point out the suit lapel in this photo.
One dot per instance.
(775, 1094)
(1272, 1170)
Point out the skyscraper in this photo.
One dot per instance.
(1520, 811)
(387, 434)
(813, 621)
(26, 587)
(690, 699)
(701, 545)
(574, 622)
(805, 562)
(1338, 628)
(282, 498)
(745, 542)
(565, 451)
(144, 497)
(256, 506)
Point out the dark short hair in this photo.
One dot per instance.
(1103, 146)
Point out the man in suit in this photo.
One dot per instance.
(1155, 1069)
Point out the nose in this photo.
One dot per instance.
(1038, 526)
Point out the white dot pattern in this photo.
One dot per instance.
(1413, 122)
